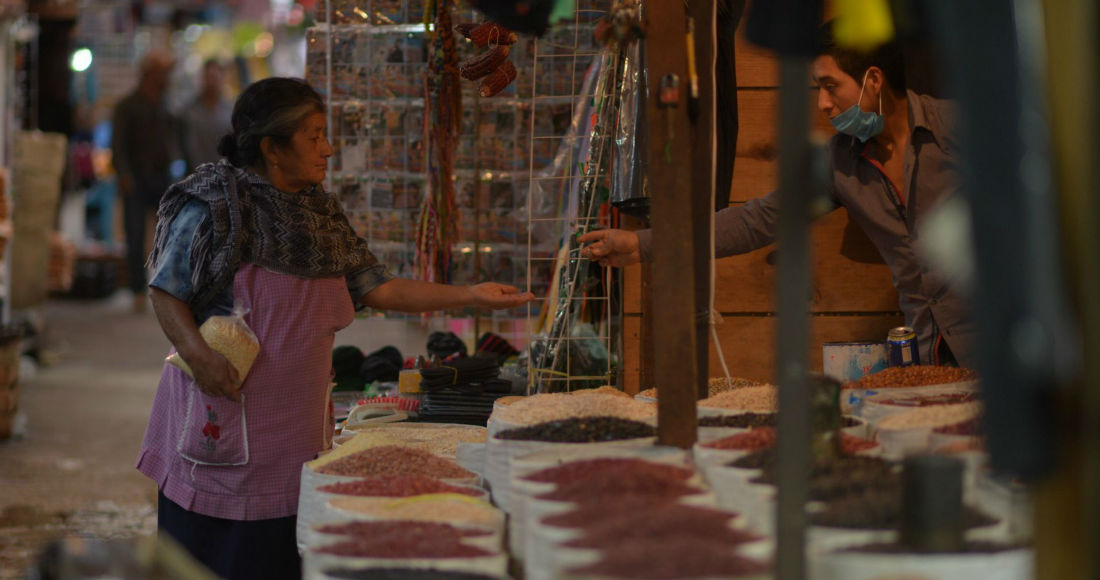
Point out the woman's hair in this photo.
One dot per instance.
(273, 107)
(887, 56)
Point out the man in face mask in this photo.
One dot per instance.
(892, 161)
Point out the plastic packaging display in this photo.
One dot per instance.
(629, 186)
(231, 337)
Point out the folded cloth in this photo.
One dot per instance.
(495, 344)
(458, 406)
(346, 361)
(444, 344)
(460, 373)
(383, 365)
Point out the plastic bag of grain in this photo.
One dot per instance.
(231, 337)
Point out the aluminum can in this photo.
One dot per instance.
(901, 347)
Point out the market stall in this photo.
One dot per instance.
(861, 474)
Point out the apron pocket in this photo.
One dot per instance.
(214, 431)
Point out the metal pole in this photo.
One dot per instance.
(793, 289)
(703, 14)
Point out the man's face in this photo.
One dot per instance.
(157, 79)
(212, 78)
(836, 89)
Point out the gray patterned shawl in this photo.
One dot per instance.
(305, 234)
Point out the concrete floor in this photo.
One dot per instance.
(72, 471)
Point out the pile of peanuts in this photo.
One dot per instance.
(913, 376)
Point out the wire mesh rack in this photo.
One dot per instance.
(575, 324)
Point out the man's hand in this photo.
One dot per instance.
(615, 248)
(498, 296)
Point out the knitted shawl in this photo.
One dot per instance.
(304, 234)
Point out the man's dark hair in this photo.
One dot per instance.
(887, 57)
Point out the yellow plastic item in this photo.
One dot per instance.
(408, 381)
(863, 25)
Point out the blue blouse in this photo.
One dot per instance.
(173, 270)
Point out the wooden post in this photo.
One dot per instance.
(670, 165)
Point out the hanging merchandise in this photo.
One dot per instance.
(629, 188)
(564, 350)
(492, 64)
(439, 211)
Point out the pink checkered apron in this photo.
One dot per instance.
(243, 461)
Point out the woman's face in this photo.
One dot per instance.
(304, 161)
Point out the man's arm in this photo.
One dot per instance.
(737, 230)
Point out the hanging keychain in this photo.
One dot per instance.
(668, 98)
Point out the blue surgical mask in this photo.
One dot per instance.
(862, 125)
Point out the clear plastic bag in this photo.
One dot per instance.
(230, 336)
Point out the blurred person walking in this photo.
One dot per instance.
(206, 119)
(143, 145)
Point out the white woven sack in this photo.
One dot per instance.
(314, 564)
(1016, 564)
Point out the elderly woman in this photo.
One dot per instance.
(257, 231)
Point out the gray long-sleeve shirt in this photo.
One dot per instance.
(931, 174)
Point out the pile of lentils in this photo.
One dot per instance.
(584, 469)
(372, 528)
(395, 460)
(601, 486)
(671, 557)
(397, 486)
(880, 510)
(581, 430)
(675, 519)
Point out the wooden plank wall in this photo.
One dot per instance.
(853, 298)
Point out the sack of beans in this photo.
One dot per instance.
(910, 432)
(231, 337)
(555, 518)
(540, 472)
(556, 406)
(404, 545)
(456, 509)
(564, 433)
(905, 381)
(442, 439)
(313, 504)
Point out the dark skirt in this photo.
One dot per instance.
(232, 549)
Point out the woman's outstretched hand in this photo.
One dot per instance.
(498, 296)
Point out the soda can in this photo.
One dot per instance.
(901, 347)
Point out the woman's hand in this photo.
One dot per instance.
(212, 372)
(498, 296)
(214, 375)
(616, 248)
